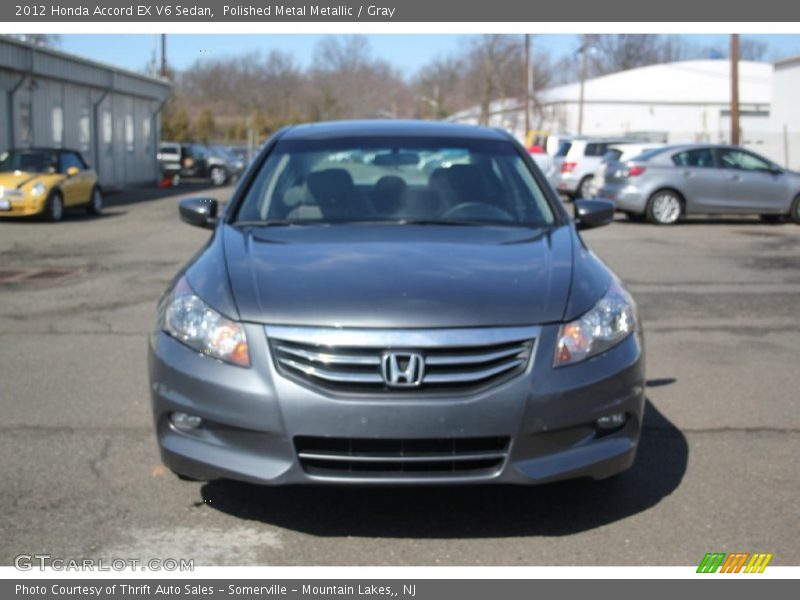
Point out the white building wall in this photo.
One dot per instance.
(686, 102)
(785, 113)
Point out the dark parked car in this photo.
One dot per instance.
(665, 184)
(367, 322)
(236, 164)
(195, 161)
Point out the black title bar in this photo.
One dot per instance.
(398, 11)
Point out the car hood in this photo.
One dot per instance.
(399, 276)
(18, 179)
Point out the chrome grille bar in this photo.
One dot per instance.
(342, 359)
(471, 375)
(402, 338)
(404, 459)
(332, 375)
(467, 359)
(352, 360)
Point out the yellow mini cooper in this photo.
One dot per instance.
(45, 182)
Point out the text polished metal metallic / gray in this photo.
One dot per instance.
(396, 303)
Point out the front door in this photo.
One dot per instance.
(753, 183)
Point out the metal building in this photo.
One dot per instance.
(679, 102)
(50, 98)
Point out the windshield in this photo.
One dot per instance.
(400, 180)
(31, 161)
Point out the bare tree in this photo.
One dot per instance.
(613, 53)
(439, 87)
(749, 49)
(494, 67)
(346, 81)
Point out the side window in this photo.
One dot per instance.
(699, 157)
(739, 159)
(70, 159)
(594, 149)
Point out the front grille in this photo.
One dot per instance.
(353, 363)
(393, 458)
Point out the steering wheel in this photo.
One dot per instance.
(477, 210)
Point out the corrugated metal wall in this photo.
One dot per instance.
(108, 115)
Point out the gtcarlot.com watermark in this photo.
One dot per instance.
(29, 562)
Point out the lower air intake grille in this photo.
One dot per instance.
(398, 458)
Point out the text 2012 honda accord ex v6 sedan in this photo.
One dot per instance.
(396, 302)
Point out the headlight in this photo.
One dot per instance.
(38, 189)
(609, 322)
(192, 322)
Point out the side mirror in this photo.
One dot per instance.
(200, 212)
(593, 213)
(72, 171)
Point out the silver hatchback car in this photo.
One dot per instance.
(665, 184)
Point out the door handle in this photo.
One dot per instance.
(736, 177)
(687, 173)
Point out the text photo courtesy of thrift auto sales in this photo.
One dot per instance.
(407, 299)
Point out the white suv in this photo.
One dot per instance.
(576, 162)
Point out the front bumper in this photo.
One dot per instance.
(254, 416)
(21, 207)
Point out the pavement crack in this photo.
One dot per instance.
(94, 464)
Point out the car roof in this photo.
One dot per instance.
(45, 149)
(391, 128)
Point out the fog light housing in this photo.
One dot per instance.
(185, 422)
(613, 421)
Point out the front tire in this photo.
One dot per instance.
(95, 206)
(664, 208)
(794, 212)
(54, 208)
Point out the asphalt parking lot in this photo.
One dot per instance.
(717, 469)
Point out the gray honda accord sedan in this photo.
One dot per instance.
(396, 302)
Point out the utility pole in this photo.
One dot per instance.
(735, 89)
(582, 75)
(153, 66)
(527, 94)
(164, 55)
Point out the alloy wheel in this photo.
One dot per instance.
(217, 176)
(666, 208)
